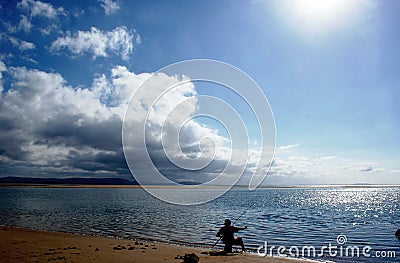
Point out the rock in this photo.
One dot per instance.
(191, 258)
(97, 249)
(117, 248)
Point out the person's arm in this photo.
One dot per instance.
(219, 233)
(240, 228)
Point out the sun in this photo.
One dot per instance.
(319, 15)
(320, 9)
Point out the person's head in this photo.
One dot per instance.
(397, 234)
(227, 222)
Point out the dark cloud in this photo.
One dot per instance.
(368, 169)
(75, 131)
(50, 129)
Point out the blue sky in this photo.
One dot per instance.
(329, 71)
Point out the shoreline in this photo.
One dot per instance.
(27, 245)
(33, 185)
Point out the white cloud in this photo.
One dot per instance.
(109, 6)
(294, 165)
(40, 9)
(25, 24)
(28, 58)
(46, 12)
(2, 69)
(100, 43)
(47, 125)
(299, 158)
(330, 157)
(288, 147)
(21, 44)
(78, 13)
(9, 27)
(169, 130)
(2, 66)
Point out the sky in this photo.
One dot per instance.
(329, 70)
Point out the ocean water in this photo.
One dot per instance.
(287, 217)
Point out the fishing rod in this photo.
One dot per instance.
(244, 212)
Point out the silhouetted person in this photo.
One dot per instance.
(227, 234)
(397, 234)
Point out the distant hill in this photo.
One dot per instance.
(90, 181)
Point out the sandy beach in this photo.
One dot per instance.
(23, 245)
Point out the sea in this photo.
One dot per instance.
(339, 224)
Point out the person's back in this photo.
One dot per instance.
(227, 233)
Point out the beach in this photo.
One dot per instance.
(25, 245)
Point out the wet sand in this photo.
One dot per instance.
(24, 245)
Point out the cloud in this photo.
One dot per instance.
(367, 169)
(288, 147)
(298, 158)
(40, 9)
(21, 44)
(328, 169)
(330, 157)
(109, 6)
(119, 41)
(41, 13)
(195, 144)
(25, 24)
(50, 128)
(2, 69)
(8, 26)
(46, 124)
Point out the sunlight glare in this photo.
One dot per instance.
(317, 16)
(320, 9)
